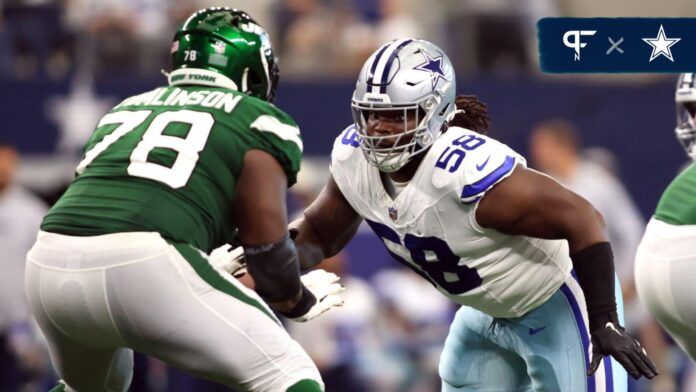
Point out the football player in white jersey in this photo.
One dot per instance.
(527, 258)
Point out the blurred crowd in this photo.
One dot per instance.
(315, 38)
(55, 38)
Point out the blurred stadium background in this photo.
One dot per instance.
(64, 63)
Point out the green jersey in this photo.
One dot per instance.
(168, 161)
(677, 205)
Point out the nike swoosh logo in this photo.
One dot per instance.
(611, 326)
(481, 166)
(534, 331)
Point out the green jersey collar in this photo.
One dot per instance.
(200, 77)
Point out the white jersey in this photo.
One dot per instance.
(431, 226)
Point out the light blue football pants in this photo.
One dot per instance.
(547, 349)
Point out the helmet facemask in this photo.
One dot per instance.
(686, 127)
(391, 152)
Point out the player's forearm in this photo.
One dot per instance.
(276, 274)
(594, 267)
(310, 248)
(319, 234)
(593, 262)
(326, 226)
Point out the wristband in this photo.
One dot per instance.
(303, 306)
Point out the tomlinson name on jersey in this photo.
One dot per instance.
(167, 96)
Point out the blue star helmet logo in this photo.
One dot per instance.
(434, 66)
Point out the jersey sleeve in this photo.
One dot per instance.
(345, 164)
(345, 147)
(273, 131)
(471, 163)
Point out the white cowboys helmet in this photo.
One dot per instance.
(685, 99)
(406, 74)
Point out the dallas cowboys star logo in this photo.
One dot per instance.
(434, 66)
(661, 45)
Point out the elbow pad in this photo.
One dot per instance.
(276, 270)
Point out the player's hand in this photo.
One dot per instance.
(325, 287)
(613, 340)
(229, 260)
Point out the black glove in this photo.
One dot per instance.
(594, 267)
(611, 339)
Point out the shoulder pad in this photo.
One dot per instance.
(346, 158)
(258, 106)
(346, 144)
(469, 163)
(268, 118)
(270, 130)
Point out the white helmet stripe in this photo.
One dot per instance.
(383, 61)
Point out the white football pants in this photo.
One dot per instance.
(665, 272)
(98, 298)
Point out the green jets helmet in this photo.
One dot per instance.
(224, 47)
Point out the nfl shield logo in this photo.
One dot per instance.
(393, 214)
(219, 47)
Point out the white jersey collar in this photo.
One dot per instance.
(202, 77)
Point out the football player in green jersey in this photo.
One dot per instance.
(666, 256)
(121, 262)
